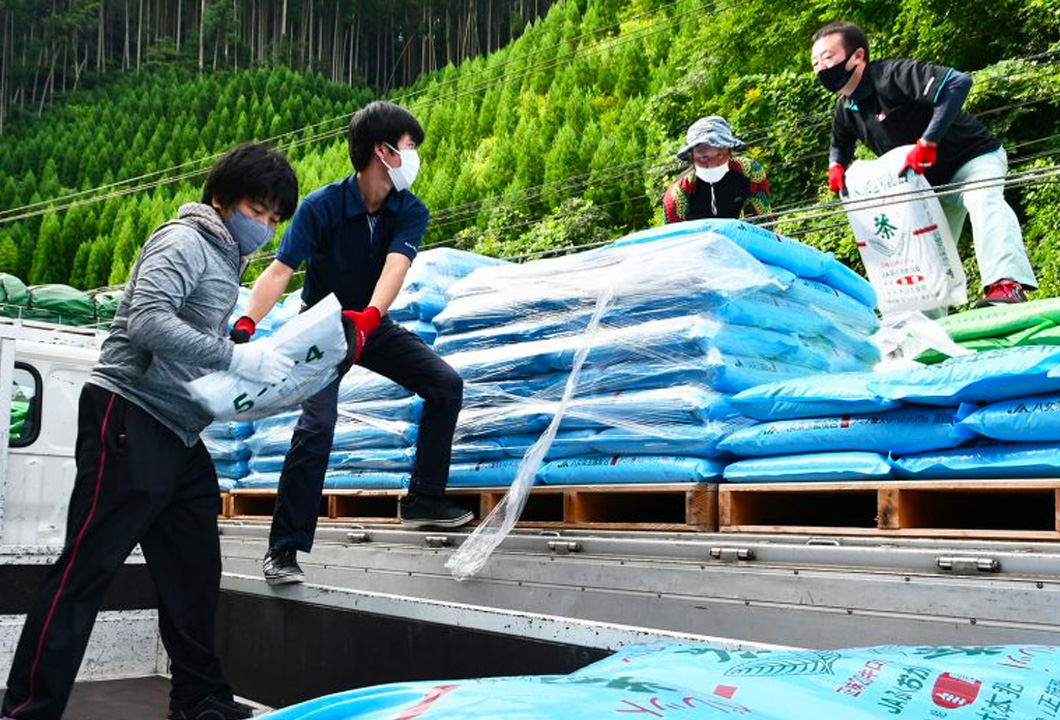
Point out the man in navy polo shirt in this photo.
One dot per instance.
(358, 237)
(890, 103)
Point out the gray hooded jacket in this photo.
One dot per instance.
(170, 325)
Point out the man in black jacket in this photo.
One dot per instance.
(890, 103)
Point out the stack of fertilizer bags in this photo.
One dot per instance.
(375, 436)
(992, 414)
(1003, 326)
(637, 348)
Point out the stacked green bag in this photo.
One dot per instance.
(61, 304)
(1002, 326)
(14, 297)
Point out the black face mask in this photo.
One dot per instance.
(835, 77)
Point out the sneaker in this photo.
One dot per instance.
(425, 511)
(213, 707)
(1003, 292)
(280, 567)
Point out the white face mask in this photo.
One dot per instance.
(404, 176)
(712, 175)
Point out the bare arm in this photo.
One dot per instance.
(268, 288)
(389, 285)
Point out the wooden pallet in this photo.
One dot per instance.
(995, 509)
(671, 507)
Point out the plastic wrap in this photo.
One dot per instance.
(905, 337)
(812, 467)
(352, 432)
(229, 430)
(361, 385)
(368, 458)
(226, 450)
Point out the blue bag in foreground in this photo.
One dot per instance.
(690, 681)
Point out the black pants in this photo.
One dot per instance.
(136, 483)
(401, 356)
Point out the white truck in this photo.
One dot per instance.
(379, 605)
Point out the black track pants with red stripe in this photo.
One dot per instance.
(136, 483)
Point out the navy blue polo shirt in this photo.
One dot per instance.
(343, 247)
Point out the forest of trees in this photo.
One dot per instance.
(564, 137)
(54, 46)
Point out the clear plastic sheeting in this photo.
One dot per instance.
(703, 681)
(617, 362)
(904, 337)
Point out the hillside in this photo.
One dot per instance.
(565, 136)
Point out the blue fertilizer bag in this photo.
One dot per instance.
(813, 396)
(977, 377)
(813, 467)
(231, 470)
(906, 430)
(226, 450)
(629, 469)
(230, 430)
(1012, 460)
(765, 246)
(686, 681)
(1026, 419)
(484, 474)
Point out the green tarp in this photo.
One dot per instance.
(14, 297)
(61, 304)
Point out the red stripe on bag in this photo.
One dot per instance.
(928, 229)
(425, 704)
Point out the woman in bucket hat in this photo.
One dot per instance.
(719, 184)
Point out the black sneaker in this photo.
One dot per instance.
(213, 707)
(280, 567)
(426, 511)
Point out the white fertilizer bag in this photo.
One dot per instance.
(314, 340)
(909, 254)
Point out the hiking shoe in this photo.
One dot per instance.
(425, 511)
(280, 567)
(1003, 292)
(213, 707)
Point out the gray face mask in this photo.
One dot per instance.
(251, 235)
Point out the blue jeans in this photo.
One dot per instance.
(397, 354)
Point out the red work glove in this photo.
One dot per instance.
(243, 330)
(358, 326)
(920, 158)
(836, 179)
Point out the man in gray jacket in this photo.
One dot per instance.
(143, 475)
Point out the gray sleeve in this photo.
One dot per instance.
(169, 269)
(948, 103)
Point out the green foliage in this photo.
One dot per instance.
(564, 137)
(135, 126)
